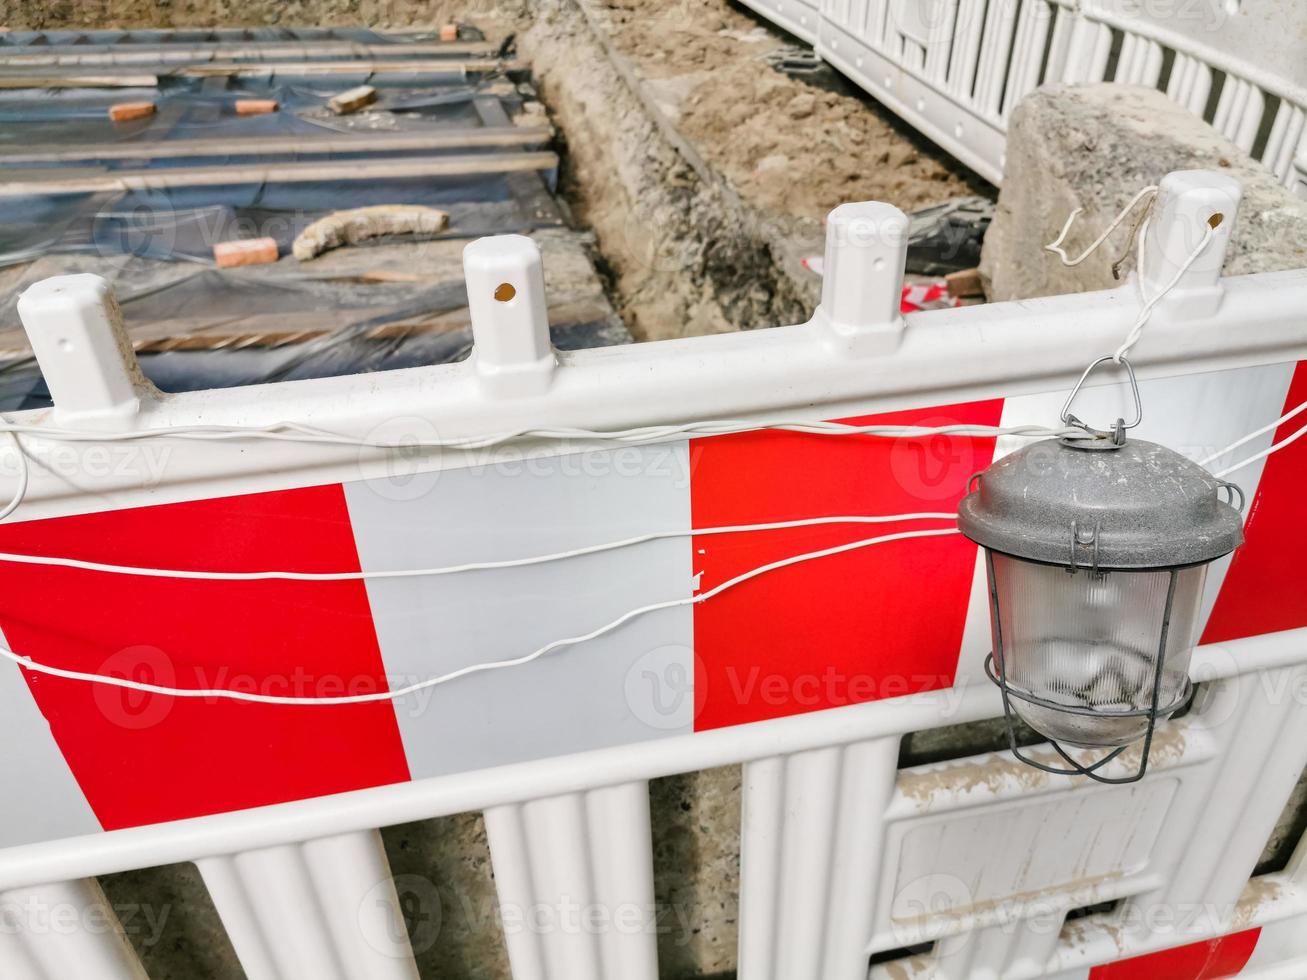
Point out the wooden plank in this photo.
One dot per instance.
(230, 69)
(413, 67)
(19, 183)
(362, 142)
(78, 81)
(108, 56)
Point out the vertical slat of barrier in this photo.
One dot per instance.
(1200, 86)
(325, 909)
(1181, 82)
(914, 56)
(1140, 62)
(1228, 105)
(857, 21)
(809, 863)
(1100, 54)
(1128, 59)
(1287, 138)
(966, 47)
(808, 848)
(1064, 21)
(355, 890)
(63, 931)
(1027, 52)
(621, 840)
(1253, 112)
(1191, 83)
(1153, 64)
(892, 40)
(941, 42)
(873, 31)
(1219, 824)
(996, 48)
(867, 783)
(1010, 949)
(1137, 73)
(1088, 51)
(574, 875)
(1239, 112)
(762, 816)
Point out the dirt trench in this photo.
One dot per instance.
(704, 171)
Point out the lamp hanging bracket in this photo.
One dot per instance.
(1113, 438)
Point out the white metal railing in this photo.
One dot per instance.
(955, 69)
(844, 856)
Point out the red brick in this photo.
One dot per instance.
(246, 251)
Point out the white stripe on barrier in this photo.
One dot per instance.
(562, 704)
(44, 801)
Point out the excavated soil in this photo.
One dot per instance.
(704, 171)
(784, 144)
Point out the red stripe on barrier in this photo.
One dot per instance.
(1265, 590)
(870, 624)
(1213, 959)
(143, 758)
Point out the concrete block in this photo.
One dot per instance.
(1094, 147)
(352, 100)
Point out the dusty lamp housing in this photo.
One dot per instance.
(1096, 551)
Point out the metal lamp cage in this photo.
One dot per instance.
(1149, 714)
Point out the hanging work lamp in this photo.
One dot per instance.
(1096, 548)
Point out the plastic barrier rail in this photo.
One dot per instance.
(809, 675)
(955, 69)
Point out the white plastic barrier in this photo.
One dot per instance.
(955, 69)
(809, 675)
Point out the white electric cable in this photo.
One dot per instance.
(1149, 303)
(351, 576)
(1283, 443)
(1146, 311)
(20, 491)
(295, 432)
(214, 693)
(1056, 246)
(1244, 440)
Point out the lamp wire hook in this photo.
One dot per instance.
(1116, 436)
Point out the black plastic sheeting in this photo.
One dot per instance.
(351, 312)
(948, 237)
(181, 224)
(190, 108)
(159, 241)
